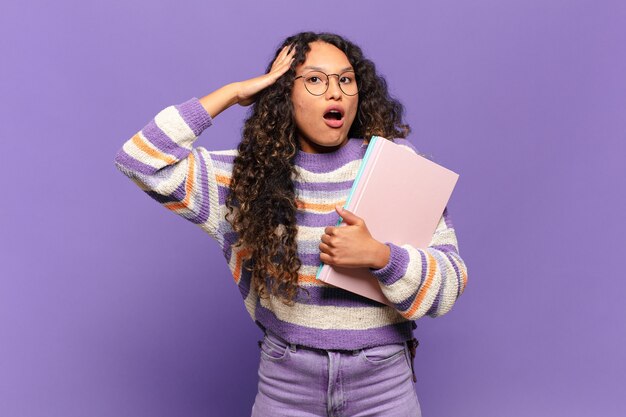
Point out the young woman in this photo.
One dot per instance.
(272, 204)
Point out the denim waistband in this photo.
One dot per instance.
(411, 345)
(294, 346)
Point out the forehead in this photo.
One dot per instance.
(326, 57)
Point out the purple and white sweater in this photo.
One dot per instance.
(194, 183)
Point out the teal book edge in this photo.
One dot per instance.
(359, 173)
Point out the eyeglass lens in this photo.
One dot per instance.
(317, 82)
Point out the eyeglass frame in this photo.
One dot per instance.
(328, 83)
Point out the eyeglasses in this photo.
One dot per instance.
(317, 82)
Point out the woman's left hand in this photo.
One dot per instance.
(352, 245)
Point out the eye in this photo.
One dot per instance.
(346, 79)
(313, 79)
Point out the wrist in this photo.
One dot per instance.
(236, 87)
(381, 255)
(396, 267)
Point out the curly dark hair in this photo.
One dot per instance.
(262, 201)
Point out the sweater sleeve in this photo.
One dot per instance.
(160, 159)
(425, 281)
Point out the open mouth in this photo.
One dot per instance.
(333, 115)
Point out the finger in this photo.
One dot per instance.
(282, 68)
(283, 52)
(329, 230)
(324, 248)
(327, 240)
(327, 259)
(283, 56)
(279, 69)
(279, 58)
(289, 51)
(348, 217)
(287, 57)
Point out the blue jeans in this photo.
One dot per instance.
(296, 381)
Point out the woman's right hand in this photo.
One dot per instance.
(244, 92)
(248, 89)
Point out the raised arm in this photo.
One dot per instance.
(162, 161)
(244, 92)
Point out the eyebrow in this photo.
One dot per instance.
(322, 69)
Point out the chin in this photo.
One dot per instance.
(324, 142)
(333, 143)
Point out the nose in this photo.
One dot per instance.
(334, 91)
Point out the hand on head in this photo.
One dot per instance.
(249, 88)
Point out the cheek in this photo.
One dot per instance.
(302, 112)
(298, 112)
(298, 106)
(298, 99)
(353, 110)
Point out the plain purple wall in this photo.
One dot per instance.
(111, 306)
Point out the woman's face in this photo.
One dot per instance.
(323, 121)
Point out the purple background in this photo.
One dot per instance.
(111, 306)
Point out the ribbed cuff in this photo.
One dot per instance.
(195, 115)
(395, 268)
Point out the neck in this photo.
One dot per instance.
(312, 147)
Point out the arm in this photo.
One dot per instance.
(161, 160)
(417, 281)
(244, 92)
(425, 281)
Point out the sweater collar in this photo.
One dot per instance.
(351, 150)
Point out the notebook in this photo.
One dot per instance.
(401, 196)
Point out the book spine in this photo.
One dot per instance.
(362, 168)
(367, 174)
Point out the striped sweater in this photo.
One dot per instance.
(193, 183)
